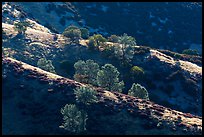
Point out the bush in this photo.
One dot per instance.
(113, 38)
(96, 40)
(92, 43)
(74, 120)
(99, 39)
(85, 95)
(177, 56)
(135, 70)
(190, 52)
(138, 91)
(84, 33)
(46, 65)
(21, 27)
(72, 32)
(108, 78)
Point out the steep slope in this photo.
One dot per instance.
(36, 107)
(171, 82)
(161, 25)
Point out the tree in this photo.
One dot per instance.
(74, 119)
(92, 43)
(72, 32)
(107, 78)
(85, 95)
(138, 91)
(113, 38)
(45, 64)
(21, 27)
(86, 72)
(99, 39)
(84, 33)
(124, 50)
(96, 40)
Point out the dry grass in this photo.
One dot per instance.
(185, 65)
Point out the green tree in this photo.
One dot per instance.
(74, 119)
(113, 38)
(21, 27)
(45, 64)
(85, 95)
(96, 40)
(107, 78)
(84, 33)
(86, 72)
(138, 91)
(124, 50)
(92, 43)
(99, 39)
(73, 33)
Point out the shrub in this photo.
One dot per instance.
(190, 52)
(84, 33)
(138, 91)
(107, 78)
(72, 32)
(113, 38)
(21, 27)
(137, 70)
(177, 56)
(74, 120)
(45, 64)
(99, 39)
(92, 43)
(85, 95)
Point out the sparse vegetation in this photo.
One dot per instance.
(138, 91)
(21, 27)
